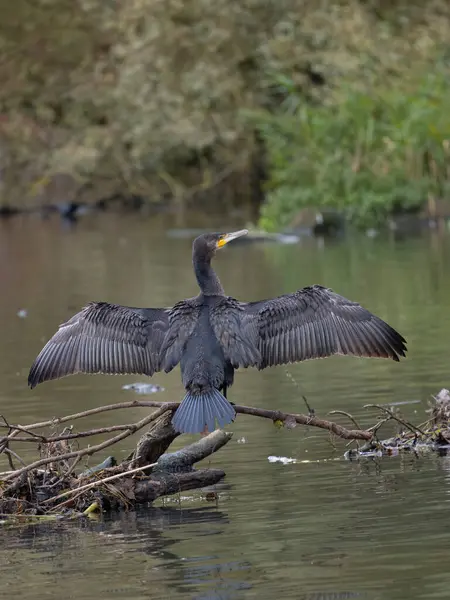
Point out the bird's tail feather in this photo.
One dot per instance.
(202, 409)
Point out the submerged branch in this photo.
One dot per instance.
(164, 485)
(180, 462)
(97, 483)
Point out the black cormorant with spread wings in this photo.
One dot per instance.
(210, 336)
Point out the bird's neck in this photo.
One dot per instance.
(207, 279)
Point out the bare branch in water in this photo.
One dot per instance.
(389, 412)
(94, 411)
(345, 414)
(49, 484)
(11, 453)
(175, 462)
(273, 415)
(313, 421)
(92, 449)
(41, 439)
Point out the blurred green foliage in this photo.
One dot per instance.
(147, 94)
(372, 155)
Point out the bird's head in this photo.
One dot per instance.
(207, 244)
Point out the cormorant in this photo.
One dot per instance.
(210, 336)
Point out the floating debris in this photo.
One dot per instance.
(242, 440)
(330, 596)
(284, 460)
(431, 436)
(143, 388)
(22, 313)
(211, 497)
(366, 453)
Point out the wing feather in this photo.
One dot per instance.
(182, 321)
(315, 322)
(103, 338)
(236, 332)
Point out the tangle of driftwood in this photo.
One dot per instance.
(147, 473)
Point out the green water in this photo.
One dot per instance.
(320, 529)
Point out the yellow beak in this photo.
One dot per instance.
(228, 237)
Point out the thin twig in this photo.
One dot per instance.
(15, 429)
(289, 375)
(68, 436)
(8, 453)
(95, 411)
(68, 501)
(11, 453)
(5, 445)
(389, 412)
(374, 429)
(352, 419)
(92, 449)
(346, 414)
(72, 466)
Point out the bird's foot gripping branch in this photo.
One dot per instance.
(59, 482)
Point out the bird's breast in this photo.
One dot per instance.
(203, 358)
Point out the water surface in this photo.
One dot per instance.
(322, 528)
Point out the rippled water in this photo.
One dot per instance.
(319, 529)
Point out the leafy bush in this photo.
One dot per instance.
(144, 95)
(371, 155)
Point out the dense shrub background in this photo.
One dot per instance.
(162, 97)
(374, 154)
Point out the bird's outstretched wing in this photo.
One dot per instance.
(314, 322)
(103, 338)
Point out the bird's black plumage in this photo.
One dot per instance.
(210, 336)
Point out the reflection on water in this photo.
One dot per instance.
(325, 529)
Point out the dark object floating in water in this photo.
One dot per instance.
(72, 210)
(69, 211)
(210, 336)
(8, 211)
(143, 388)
